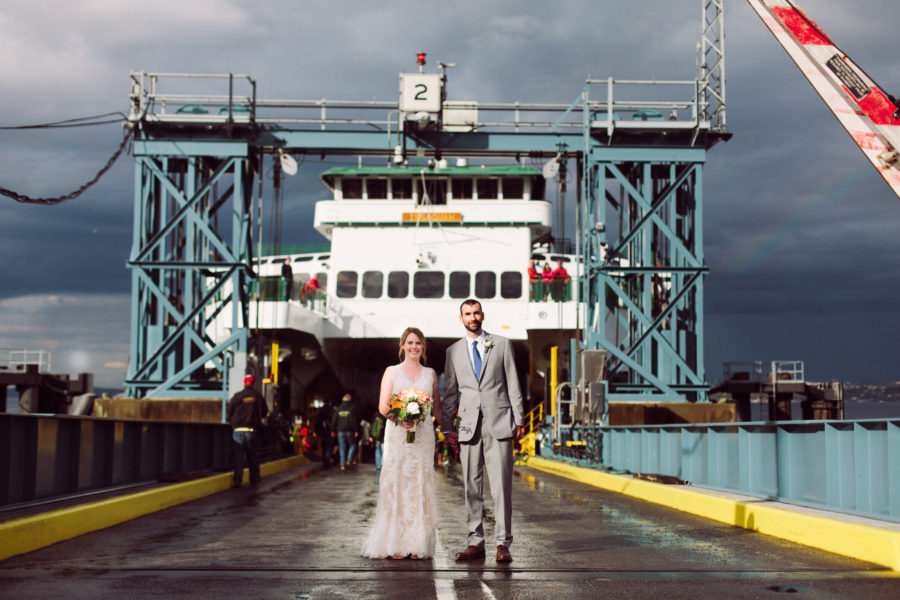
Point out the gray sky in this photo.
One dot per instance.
(800, 229)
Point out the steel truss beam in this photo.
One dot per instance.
(641, 239)
(190, 260)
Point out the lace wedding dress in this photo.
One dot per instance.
(405, 518)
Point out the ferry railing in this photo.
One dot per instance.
(43, 457)
(556, 291)
(279, 289)
(660, 105)
(652, 111)
(845, 466)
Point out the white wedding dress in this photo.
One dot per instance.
(406, 517)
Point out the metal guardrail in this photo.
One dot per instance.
(16, 359)
(50, 456)
(631, 104)
(851, 467)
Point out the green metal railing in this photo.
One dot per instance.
(279, 289)
(555, 291)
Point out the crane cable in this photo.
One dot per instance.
(51, 201)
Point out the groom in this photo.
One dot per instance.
(480, 380)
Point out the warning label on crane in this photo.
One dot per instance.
(853, 82)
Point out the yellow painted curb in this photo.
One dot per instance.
(856, 540)
(37, 531)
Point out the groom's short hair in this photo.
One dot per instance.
(469, 302)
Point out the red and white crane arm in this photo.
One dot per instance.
(868, 113)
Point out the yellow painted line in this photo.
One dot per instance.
(37, 531)
(856, 540)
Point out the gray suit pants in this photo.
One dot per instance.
(480, 452)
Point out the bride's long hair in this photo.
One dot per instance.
(405, 335)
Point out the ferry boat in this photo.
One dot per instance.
(407, 245)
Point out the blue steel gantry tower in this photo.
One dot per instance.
(199, 164)
(641, 226)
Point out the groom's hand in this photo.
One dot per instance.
(452, 439)
(520, 433)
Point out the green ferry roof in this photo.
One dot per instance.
(328, 176)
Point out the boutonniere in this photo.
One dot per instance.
(488, 344)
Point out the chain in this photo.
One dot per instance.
(50, 201)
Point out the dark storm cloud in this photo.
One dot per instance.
(799, 228)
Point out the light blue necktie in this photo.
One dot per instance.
(476, 358)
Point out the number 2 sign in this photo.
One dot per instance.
(420, 92)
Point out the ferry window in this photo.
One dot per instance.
(401, 189)
(301, 277)
(510, 284)
(537, 188)
(436, 190)
(485, 284)
(372, 284)
(303, 258)
(322, 280)
(564, 259)
(346, 284)
(487, 188)
(352, 188)
(513, 189)
(376, 188)
(398, 284)
(460, 282)
(462, 188)
(428, 284)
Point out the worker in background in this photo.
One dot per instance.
(534, 280)
(246, 411)
(287, 273)
(312, 285)
(345, 427)
(546, 280)
(560, 279)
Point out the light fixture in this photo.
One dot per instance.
(422, 118)
(288, 164)
(551, 167)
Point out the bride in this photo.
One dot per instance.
(405, 519)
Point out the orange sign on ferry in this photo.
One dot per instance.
(443, 217)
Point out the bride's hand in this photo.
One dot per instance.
(408, 425)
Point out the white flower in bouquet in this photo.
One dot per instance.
(411, 406)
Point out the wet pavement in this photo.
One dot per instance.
(298, 536)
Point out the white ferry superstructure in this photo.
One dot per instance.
(407, 246)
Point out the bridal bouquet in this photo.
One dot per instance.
(411, 406)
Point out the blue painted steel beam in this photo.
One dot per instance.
(174, 244)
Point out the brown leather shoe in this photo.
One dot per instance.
(471, 553)
(503, 555)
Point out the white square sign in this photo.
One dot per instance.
(420, 92)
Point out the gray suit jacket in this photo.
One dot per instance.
(498, 394)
